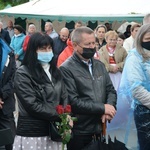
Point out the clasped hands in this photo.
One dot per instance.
(115, 69)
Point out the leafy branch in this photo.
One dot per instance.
(4, 3)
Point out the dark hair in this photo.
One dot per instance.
(128, 28)
(38, 40)
(20, 29)
(122, 36)
(96, 40)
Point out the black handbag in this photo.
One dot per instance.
(6, 137)
(54, 133)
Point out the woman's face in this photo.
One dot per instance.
(16, 31)
(100, 33)
(146, 37)
(111, 41)
(120, 41)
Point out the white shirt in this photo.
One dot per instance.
(128, 43)
(46, 67)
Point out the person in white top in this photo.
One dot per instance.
(50, 30)
(129, 42)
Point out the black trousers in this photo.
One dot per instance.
(78, 142)
(142, 122)
(7, 121)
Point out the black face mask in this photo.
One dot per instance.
(146, 45)
(88, 52)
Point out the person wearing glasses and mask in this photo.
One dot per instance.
(91, 93)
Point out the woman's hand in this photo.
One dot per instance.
(70, 121)
(16, 57)
(1, 103)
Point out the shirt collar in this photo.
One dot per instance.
(87, 62)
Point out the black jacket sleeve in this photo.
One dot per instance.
(7, 88)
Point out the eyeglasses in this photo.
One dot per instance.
(112, 40)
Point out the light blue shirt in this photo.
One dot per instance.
(53, 34)
(89, 64)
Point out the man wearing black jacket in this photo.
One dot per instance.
(7, 102)
(91, 93)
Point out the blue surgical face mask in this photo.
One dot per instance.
(45, 57)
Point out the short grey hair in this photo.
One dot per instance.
(77, 34)
(50, 24)
(32, 25)
(146, 19)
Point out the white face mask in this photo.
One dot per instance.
(45, 57)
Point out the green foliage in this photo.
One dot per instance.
(4, 3)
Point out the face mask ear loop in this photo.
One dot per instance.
(77, 50)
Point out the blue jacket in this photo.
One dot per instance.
(6, 82)
(17, 45)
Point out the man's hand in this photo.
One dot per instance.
(1, 103)
(106, 118)
(110, 110)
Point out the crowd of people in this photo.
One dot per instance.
(97, 72)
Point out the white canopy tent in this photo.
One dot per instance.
(83, 10)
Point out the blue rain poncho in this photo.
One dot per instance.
(134, 91)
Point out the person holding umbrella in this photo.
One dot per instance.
(91, 93)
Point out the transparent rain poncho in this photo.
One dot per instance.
(133, 98)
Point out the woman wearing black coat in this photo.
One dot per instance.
(39, 88)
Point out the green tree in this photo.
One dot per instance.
(4, 3)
